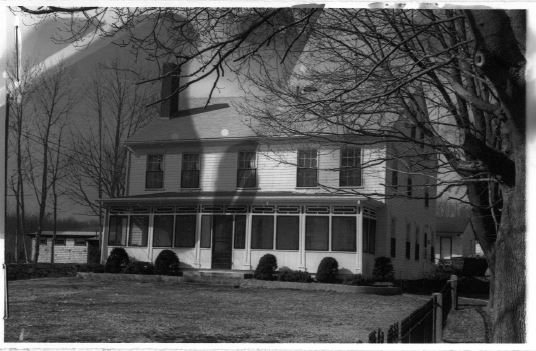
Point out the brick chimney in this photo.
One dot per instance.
(170, 106)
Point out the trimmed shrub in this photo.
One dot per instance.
(167, 263)
(139, 267)
(289, 275)
(117, 261)
(383, 269)
(266, 268)
(327, 270)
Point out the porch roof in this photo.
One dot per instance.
(243, 197)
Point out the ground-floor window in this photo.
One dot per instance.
(59, 242)
(117, 233)
(240, 232)
(185, 226)
(262, 232)
(206, 231)
(317, 233)
(343, 233)
(139, 229)
(163, 231)
(288, 233)
(79, 242)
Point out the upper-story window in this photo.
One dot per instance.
(350, 174)
(190, 171)
(409, 189)
(426, 197)
(154, 176)
(307, 168)
(246, 176)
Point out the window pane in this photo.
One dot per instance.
(288, 233)
(317, 233)
(240, 232)
(139, 226)
(262, 232)
(246, 178)
(163, 231)
(117, 233)
(189, 179)
(343, 231)
(185, 231)
(307, 177)
(79, 242)
(59, 242)
(206, 229)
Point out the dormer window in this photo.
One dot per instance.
(350, 172)
(154, 176)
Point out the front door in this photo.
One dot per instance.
(222, 248)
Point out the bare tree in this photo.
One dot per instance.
(53, 102)
(99, 158)
(21, 88)
(457, 75)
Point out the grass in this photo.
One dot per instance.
(75, 310)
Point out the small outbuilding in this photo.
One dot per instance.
(455, 238)
(69, 246)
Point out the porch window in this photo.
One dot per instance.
(288, 233)
(206, 231)
(154, 176)
(307, 175)
(139, 227)
(247, 169)
(369, 235)
(163, 231)
(117, 231)
(185, 230)
(190, 171)
(343, 230)
(317, 233)
(240, 232)
(350, 173)
(262, 232)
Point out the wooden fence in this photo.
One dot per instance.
(425, 324)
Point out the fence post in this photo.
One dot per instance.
(454, 291)
(438, 318)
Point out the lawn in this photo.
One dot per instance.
(75, 310)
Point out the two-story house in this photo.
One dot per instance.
(202, 183)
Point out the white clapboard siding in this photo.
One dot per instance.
(276, 169)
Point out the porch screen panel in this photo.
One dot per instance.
(369, 235)
(139, 227)
(317, 233)
(185, 231)
(262, 232)
(240, 232)
(206, 229)
(288, 233)
(343, 231)
(163, 231)
(117, 230)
